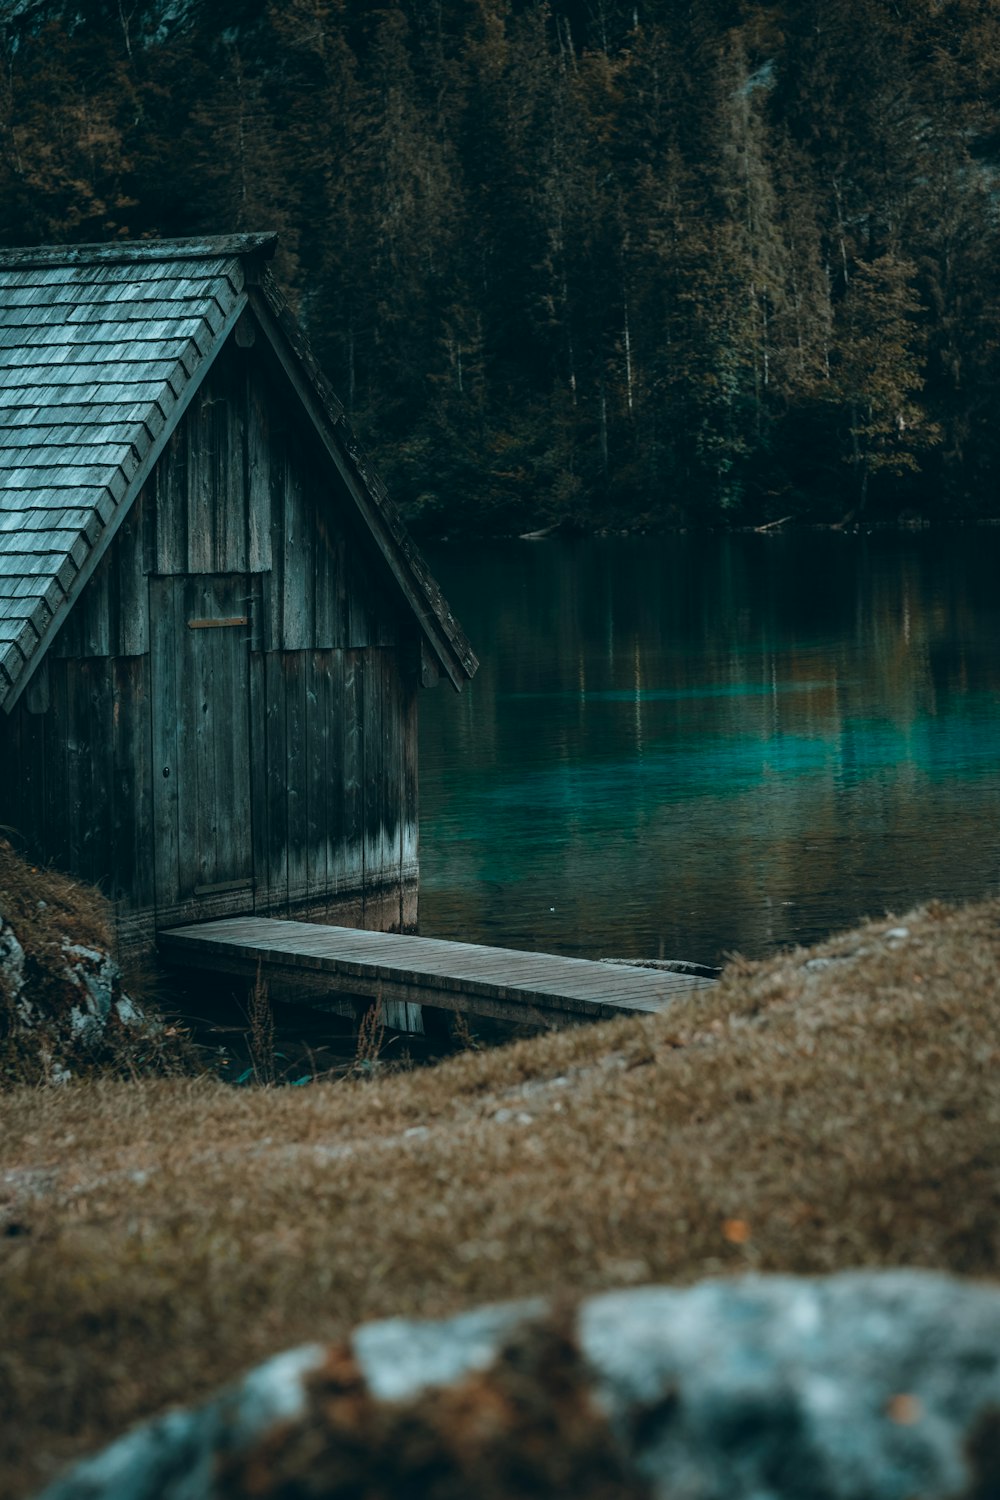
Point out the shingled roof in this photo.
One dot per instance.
(102, 347)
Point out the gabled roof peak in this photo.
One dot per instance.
(102, 348)
(122, 252)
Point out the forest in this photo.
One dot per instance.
(584, 263)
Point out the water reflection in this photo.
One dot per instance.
(690, 746)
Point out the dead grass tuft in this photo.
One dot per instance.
(371, 1038)
(260, 1039)
(43, 906)
(831, 1108)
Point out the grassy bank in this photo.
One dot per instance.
(824, 1109)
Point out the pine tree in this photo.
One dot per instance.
(65, 105)
(877, 374)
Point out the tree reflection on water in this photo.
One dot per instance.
(687, 746)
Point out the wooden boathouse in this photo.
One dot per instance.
(213, 626)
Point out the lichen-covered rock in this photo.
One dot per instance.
(97, 982)
(63, 1006)
(12, 973)
(67, 1014)
(860, 1386)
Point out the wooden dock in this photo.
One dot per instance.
(504, 983)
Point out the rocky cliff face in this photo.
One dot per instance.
(861, 1386)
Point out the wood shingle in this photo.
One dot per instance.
(96, 356)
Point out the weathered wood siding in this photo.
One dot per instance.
(227, 719)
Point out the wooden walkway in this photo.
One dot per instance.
(504, 983)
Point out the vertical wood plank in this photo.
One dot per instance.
(274, 640)
(23, 740)
(336, 854)
(171, 503)
(298, 606)
(392, 814)
(353, 844)
(36, 773)
(258, 784)
(36, 694)
(60, 789)
(190, 770)
(217, 471)
(297, 773)
(409, 833)
(93, 610)
(94, 760)
(126, 863)
(329, 630)
(230, 476)
(164, 697)
(374, 787)
(10, 774)
(202, 456)
(131, 598)
(145, 506)
(133, 829)
(258, 480)
(36, 732)
(68, 642)
(357, 601)
(381, 606)
(277, 801)
(256, 586)
(226, 723)
(317, 700)
(75, 743)
(142, 767)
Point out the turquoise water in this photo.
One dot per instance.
(684, 747)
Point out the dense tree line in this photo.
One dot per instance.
(587, 261)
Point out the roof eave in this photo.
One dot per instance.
(256, 246)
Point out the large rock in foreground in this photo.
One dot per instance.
(868, 1385)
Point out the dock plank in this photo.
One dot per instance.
(508, 983)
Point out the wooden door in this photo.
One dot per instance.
(200, 645)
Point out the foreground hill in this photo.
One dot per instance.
(824, 1109)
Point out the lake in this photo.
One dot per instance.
(688, 746)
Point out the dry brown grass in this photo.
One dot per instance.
(163, 1236)
(43, 906)
(260, 1038)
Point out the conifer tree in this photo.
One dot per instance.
(878, 374)
(66, 101)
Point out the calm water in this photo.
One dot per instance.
(683, 747)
